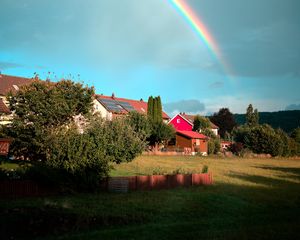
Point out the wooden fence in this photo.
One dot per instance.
(24, 188)
(27, 188)
(155, 182)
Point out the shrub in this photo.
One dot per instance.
(204, 169)
(236, 148)
(86, 157)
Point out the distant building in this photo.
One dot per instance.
(9, 84)
(185, 122)
(186, 138)
(111, 107)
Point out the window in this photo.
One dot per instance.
(178, 120)
(197, 142)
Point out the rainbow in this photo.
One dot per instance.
(197, 25)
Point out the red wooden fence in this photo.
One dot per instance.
(125, 184)
(23, 188)
(27, 188)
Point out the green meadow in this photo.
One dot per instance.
(250, 199)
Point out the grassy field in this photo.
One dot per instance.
(250, 199)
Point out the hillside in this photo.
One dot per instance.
(286, 120)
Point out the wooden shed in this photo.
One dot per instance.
(197, 142)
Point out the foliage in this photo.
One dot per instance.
(204, 169)
(160, 133)
(154, 111)
(150, 107)
(252, 117)
(40, 108)
(214, 146)
(236, 148)
(209, 133)
(201, 123)
(296, 134)
(286, 120)
(260, 139)
(86, 157)
(224, 120)
(139, 124)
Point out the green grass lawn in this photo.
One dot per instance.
(250, 199)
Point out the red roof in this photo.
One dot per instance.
(192, 134)
(138, 105)
(11, 83)
(3, 107)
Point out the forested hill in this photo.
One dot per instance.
(286, 120)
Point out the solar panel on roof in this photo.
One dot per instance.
(126, 105)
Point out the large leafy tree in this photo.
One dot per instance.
(160, 133)
(224, 119)
(40, 109)
(201, 123)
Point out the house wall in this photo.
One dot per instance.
(98, 107)
(199, 145)
(183, 142)
(203, 147)
(181, 124)
(5, 118)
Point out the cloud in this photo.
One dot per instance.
(7, 65)
(217, 84)
(191, 106)
(293, 107)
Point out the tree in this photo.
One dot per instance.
(159, 109)
(224, 119)
(139, 124)
(154, 112)
(40, 109)
(86, 157)
(260, 139)
(150, 107)
(200, 123)
(160, 133)
(296, 134)
(252, 116)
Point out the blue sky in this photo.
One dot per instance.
(137, 48)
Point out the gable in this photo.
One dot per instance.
(181, 123)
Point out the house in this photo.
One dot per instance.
(185, 122)
(111, 107)
(186, 137)
(194, 141)
(9, 84)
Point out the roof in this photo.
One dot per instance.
(191, 118)
(192, 134)
(11, 83)
(137, 105)
(3, 107)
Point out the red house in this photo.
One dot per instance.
(186, 138)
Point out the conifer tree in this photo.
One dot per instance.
(159, 109)
(150, 108)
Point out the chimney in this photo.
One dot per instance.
(113, 95)
(141, 100)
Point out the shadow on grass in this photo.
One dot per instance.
(222, 211)
(286, 170)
